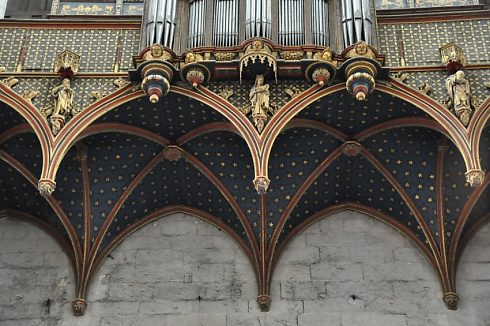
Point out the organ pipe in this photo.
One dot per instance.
(160, 24)
(225, 27)
(320, 22)
(291, 25)
(258, 18)
(197, 11)
(357, 21)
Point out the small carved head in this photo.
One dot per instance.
(361, 48)
(190, 57)
(459, 75)
(66, 82)
(327, 55)
(257, 45)
(259, 80)
(156, 50)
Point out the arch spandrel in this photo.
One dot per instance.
(193, 115)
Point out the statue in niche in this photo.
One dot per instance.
(259, 98)
(63, 106)
(63, 98)
(458, 89)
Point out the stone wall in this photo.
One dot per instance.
(345, 270)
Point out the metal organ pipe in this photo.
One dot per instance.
(320, 22)
(291, 25)
(160, 24)
(225, 29)
(258, 18)
(197, 11)
(357, 21)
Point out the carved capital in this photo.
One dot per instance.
(475, 177)
(351, 148)
(172, 153)
(261, 184)
(79, 306)
(451, 300)
(264, 301)
(46, 187)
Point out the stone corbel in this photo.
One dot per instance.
(46, 187)
(475, 177)
(261, 184)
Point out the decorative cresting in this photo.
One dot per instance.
(258, 59)
(361, 69)
(155, 71)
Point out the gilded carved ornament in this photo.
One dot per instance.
(224, 56)
(451, 53)
(258, 51)
(226, 93)
(30, 94)
(191, 57)
(157, 52)
(10, 81)
(292, 55)
(326, 55)
(361, 49)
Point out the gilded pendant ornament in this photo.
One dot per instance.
(261, 184)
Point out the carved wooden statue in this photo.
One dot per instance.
(458, 89)
(63, 98)
(259, 97)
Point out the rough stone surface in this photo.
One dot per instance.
(345, 270)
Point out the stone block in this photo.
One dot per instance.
(165, 307)
(336, 271)
(292, 273)
(371, 255)
(215, 319)
(312, 290)
(394, 271)
(373, 319)
(131, 292)
(331, 254)
(323, 319)
(305, 256)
